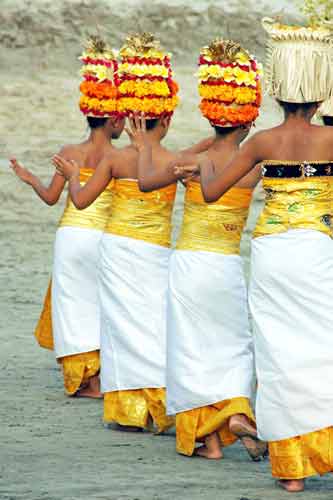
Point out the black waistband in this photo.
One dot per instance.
(297, 170)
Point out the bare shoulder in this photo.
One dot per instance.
(68, 151)
(262, 136)
(323, 132)
(165, 156)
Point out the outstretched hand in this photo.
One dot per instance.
(137, 131)
(67, 168)
(23, 173)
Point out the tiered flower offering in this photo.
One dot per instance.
(99, 88)
(146, 82)
(229, 84)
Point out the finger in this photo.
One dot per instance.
(129, 133)
(137, 122)
(57, 163)
(132, 124)
(59, 171)
(143, 123)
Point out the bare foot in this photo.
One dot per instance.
(291, 485)
(91, 390)
(240, 426)
(257, 450)
(212, 448)
(202, 451)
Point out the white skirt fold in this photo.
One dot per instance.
(133, 290)
(210, 355)
(75, 301)
(291, 301)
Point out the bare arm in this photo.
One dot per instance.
(150, 178)
(49, 194)
(84, 196)
(215, 184)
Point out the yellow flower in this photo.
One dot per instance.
(242, 58)
(228, 74)
(143, 88)
(241, 76)
(143, 69)
(153, 106)
(245, 95)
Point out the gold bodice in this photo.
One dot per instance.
(142, 216)
(214, 227)
(303, 201)
(93, 217)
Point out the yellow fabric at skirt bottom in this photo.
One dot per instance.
(302, 456)
(193, 425)
(44, 332)
(78, 369)
(137, 408)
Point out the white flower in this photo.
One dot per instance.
(308, 170)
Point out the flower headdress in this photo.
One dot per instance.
(229, 84)
(300, 61)
(146, 82)
(99, 87)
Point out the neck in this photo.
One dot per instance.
(98, 136)
(153, 138)
(231, 140)
(297, 119)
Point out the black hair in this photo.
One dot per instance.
(328, 120)
(152, 123)
(224, 131)
(290, 108)
(95, 122)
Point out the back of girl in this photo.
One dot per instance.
(70, 320)
(291, 287)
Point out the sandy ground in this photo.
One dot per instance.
(53, 447)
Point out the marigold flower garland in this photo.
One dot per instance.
(99, 87)
(229, 84)
(146, 82)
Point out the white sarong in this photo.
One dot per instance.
(75, 301)
(210, 355)
(133, 291)
(291, 301)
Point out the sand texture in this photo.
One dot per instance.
(52, 447)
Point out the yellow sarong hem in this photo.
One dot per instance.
(194, 425)
(137, 408)
(78, 369)
(43, 331)
(302, 456)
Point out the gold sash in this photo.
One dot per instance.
(214, 227)
(93, 217)
(142, 216)
(296, 204)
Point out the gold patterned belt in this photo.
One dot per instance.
(296, 203)
(142, 216)
(214, 227)
(93, 217)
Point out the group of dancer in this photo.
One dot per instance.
(164, 334)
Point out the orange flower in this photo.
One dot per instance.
(174, 87)
(216, 112)
(103, 90)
